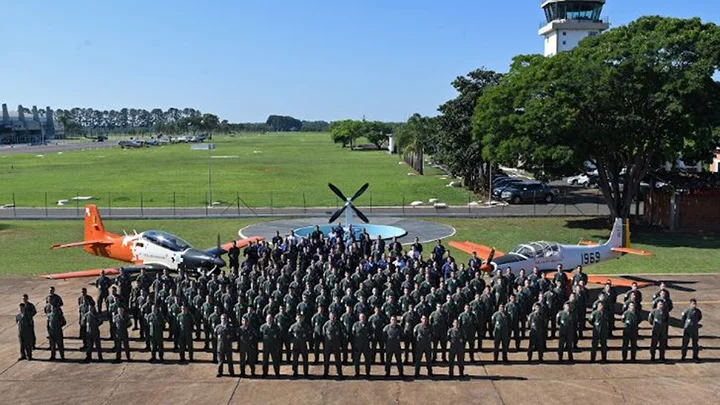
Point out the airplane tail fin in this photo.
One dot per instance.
(94, 228)
(620, 234)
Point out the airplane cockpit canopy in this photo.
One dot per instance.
(166, 240)
(537, 249)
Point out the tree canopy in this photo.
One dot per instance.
(627, 101)
(347, 132)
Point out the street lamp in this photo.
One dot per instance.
(208, 147)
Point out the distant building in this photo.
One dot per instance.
(570, 21)
(29, 126)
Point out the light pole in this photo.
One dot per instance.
(209, 147)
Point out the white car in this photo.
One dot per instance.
(579, 180)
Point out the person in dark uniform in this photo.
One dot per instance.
(91, 323)
(630, 321)
(439, 323)
(121, 322)
(102, 283)
(24, 333)
(566, 325)
(536, 326)
(318, 321)
(501, 326)
(333, 334)
(30, 312)
(224, 334)
(84, 302)
(467, 325)
(55, 322)
(599, 321)
(513, 310)
(690, 319)
(247, 346)
(270, 333)
(300, 335)
(409, 319)
(423, 334)
(456, 337)
(234, 256)
(361, 334)
(392, 336)
(659, 319)
(155, 322)
(185, 324)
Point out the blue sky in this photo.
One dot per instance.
(246, 59)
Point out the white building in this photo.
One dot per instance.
(570, 21)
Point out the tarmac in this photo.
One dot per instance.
(674, 382)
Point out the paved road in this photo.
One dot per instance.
(70, 382)
(582, 209)
(56, 147)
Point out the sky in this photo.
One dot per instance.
(246, 59)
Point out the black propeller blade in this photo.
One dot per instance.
(337, 192)
(360, 214)
(359, 192)
(337, 214)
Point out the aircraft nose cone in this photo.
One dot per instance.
(219, 262)
(196, 259)
(487, 268)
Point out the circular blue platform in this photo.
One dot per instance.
(374, 230)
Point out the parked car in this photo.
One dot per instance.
(581, 179)
(528, 191)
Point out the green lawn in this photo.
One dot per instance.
(24, 244)
(282, 170)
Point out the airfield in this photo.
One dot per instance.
(41, 381)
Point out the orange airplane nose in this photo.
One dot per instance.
(487, 268)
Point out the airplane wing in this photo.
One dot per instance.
(83, 243)
(481, 250)
(617, 282)
(108, 272)
(241, 243)
(632, 251)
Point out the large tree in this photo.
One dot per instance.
(627, 101)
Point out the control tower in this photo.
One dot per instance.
(570, 21)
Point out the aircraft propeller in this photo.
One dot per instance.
(348, 202)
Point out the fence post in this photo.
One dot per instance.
(565, 204)
(534, 203)
(304, 204)
(271, 203)
(14, 204)
(109, 205)
(174, 203)
(598, 202)
(237, 199)
(371, 204)
(207, 202)
(142, 210)
(403, 204)
(469, 203)
(46, 205)
(77, 204)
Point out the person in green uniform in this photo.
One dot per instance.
(24, 333)
(347, 320)
(55, 322)
(566, 327)
(333, 334)
(185, 324)
(361, 333)
(270, 333)
(92, 323)
(283, 320)
(392, 336)
(300, 336)
(207, 309)
(318, 321)
(121, 321)
(478, 308)
(467, 325)
(213, 321)
(84, 301)
(631, 320)
(537, 335)
(456, 337)
(155, 322)
(423, 334)
(690, 319)
(501, 326)
(439, 323)
(247, 346)
(409, 319)
(659, 319)
(30, 312)
(599, 321)
(513, 310)
(224, 335)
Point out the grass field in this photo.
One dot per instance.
(279, 170)
(24, 244)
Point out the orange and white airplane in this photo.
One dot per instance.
(149, 250)
(546, 256)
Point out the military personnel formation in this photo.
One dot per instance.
(338, 301)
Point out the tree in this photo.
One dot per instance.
(376, 132)
(413, 138)
(627, 101)
(346, 131)
(455, 146)
(283, 123)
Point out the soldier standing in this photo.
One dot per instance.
(102, 283)
(333, 334)
(513, 310)
(30, 312)
(630, 320)
(84, 302)
(409, 319)
(691, 318)
(501, 325)
(224, 335)
(423, 334)
(91, 323)
(457, 348)
(247, 346)
(55, 322)
(270, 333)
(300, 336)
(318, 321)
(467, 325)
(659, 319)
(566, 325)
(155, 322)
(361, 333)
(439, 323)
(185, 324)
(536, 325)
(283, 321)
(213, 321)
(121, 323)
(24, 333)
(601, 326)
(207, 309)
(234, 256)
(392, 336)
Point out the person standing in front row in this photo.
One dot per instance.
(456, 337)
(659, 319)
(24, 333)
(691, 318)
(224, 335)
